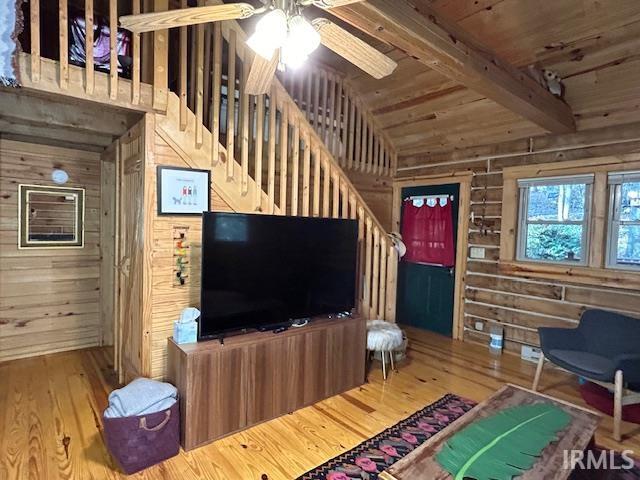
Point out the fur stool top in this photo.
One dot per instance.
(383, 335)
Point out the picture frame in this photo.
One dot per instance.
(183, 191)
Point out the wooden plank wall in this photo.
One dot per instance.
(49, 299)
(518, 304)
(168, 299)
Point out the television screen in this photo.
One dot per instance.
(260, 270)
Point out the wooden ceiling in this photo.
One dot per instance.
(593, 44)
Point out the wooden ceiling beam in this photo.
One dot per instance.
(451, 51)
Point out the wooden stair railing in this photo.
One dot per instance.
(271, 159)
(264, 153)
(335, 110)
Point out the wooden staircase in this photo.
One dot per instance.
(334, 109)
(266, 156)
(269, 153)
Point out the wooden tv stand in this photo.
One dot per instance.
(261, 375)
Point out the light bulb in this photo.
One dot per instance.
(303, 35)
(270, 34)
(302, 40)
(293, 57)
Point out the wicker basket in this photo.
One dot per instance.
(142, 441)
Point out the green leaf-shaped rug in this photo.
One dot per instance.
(503, 445)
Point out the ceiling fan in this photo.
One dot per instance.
(283, 35)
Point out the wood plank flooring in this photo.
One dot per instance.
(50, 415)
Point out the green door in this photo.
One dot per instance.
(425, 292)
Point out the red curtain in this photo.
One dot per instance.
(427, 231)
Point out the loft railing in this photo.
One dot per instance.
(81, 36)
(334, 109)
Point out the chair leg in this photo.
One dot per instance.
(617, 406)
(393, 367)
(536, 379)
(384, 365)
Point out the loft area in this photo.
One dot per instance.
(227, 254)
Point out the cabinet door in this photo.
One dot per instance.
(216, 384)
(345, 360)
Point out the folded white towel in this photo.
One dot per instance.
(140, 397)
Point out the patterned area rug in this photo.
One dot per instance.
(375, 455)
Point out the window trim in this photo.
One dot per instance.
(523, 221)
(615, 181)
(595, 272)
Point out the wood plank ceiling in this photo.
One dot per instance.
(594, 45)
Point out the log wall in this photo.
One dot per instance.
(520, 305)
(49, 298)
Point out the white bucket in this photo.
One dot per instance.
(496, 343)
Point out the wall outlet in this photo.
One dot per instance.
(479, 326)
(529, 353)
(477, 252)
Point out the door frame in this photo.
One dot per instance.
(464, 210)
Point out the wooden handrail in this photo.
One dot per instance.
(267, 154)
(370, 150)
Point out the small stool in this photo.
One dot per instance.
(383, 337)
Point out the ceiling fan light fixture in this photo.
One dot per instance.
(302, 40)
(293, 57)
(270, 34)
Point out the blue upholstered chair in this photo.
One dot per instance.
(605, 349)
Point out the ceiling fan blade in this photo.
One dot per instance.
(333, 3)
(147, 22)
(351, 48)
(261, 74)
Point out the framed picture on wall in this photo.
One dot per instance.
(183, 191)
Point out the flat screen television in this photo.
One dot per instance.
(262, 270)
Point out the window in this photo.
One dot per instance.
(554, 219)
(623, 245)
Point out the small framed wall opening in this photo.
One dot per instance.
(50, 217)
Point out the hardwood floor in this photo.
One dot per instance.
(50, 415)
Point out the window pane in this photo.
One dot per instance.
(554, 242)
(630, 202)
(557, 202)
(628, 245)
